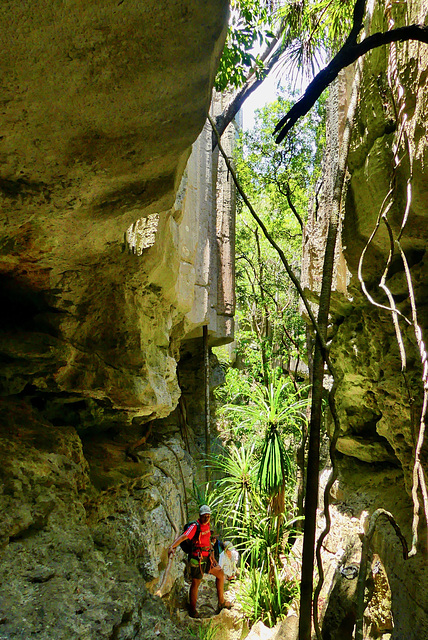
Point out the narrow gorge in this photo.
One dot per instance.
(117, 280)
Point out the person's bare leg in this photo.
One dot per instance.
(219, 583)
(193, 595)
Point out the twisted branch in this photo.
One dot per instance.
(349, 53)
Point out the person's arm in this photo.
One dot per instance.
(213, 561)
(184, 536)
(177, 541)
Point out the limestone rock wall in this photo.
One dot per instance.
(110, 255)
(77, 560)
(379, 404)
(97, 126)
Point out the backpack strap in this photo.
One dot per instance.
(195, 538)
(194, 541)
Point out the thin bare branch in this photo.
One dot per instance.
(383, 211)
(331, 479)
(394, 310)
(292, 207)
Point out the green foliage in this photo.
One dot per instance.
(273, 406)
(314, 31)
(310, 30)
(280, 174)
(265, 593)
(253, 499)
(205, 632)
(267, 422)
(270, 331)
(234, 493)
(266, 533)
(236, 388)
(248, 27)
(256, 409)
(243, 514)
(263, 411)
(276, 412)
(201, 494)
(276, 466)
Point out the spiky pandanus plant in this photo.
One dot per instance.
(275, 470)
(234, 492)
(275, 411)
(280, 413)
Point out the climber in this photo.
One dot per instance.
(201, 560)
(228, 560)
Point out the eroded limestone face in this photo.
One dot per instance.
(84, 531)
(101, 104)
(379, 400)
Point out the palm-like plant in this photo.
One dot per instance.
(263, 535)
(277, 403)
(244, 515)
(312, 31)
(277, 412)
(234, 493)
(308, 30)
(255, 482)
(275, 469)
